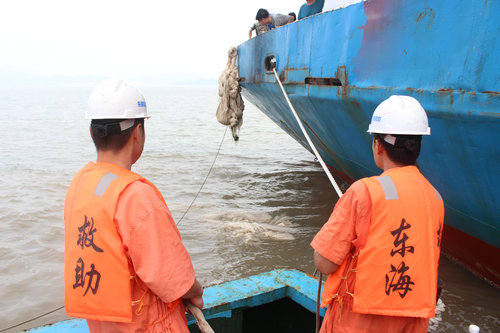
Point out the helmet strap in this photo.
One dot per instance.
(390, 139)
(103, 130)
(126, 124)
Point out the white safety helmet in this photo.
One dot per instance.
(116, 99)
(400, 115)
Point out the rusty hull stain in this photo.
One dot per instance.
(343, 76)
(283, 75)
(420, 91)
(492, 93)
(447, 91)
(427, 12)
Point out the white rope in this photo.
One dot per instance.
(318, 300)
(29, 320)
(323, 165)
(316, 153)
(203, 184)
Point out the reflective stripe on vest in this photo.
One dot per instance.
(96, 274)
(389, 188)
(396, 273)
(103, 184)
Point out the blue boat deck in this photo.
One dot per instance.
(222, 299)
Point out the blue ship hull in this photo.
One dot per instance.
(339, 65)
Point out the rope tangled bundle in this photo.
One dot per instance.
(231, 106)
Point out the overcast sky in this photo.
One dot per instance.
(126, 38)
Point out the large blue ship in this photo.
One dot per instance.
(337, 66)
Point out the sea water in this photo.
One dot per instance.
(263, 202)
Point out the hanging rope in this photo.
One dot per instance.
(27, 321)
(208, 174)
(318, 300)
(231, 106)
(323, 165)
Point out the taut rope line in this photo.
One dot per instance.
(311, 144)
(323, 165)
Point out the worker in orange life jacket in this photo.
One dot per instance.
(380, 247)
(126, 269)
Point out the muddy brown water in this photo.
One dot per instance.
(264, 201)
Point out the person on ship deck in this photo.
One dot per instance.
(380, 247)
(126, 269)
(266, 22)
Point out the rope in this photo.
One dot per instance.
(201, 187)
(209, 171)
(311, 144)
(318, 299)
(231, 105)
(27, 321)
(323, 165)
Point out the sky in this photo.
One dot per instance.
(126, 39)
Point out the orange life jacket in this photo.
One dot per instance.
(97, 279)
(396, 273)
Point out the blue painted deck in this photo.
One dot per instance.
(446, 54)
(222, 299)
(74, 326)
